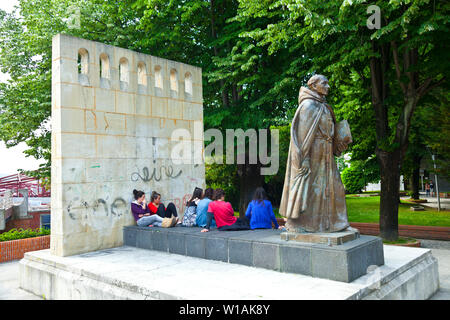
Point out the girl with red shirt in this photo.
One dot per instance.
(156, 207)
(223, 213)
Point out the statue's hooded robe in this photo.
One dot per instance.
(313, 201)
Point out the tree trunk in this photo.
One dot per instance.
(250, 178)
(390, 184)
(225, 98)
(389, 160)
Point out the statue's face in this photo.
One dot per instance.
(322, 86)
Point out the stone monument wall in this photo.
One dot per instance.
(113, 114)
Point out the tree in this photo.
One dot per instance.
(437, 135)
(274, 183)
(254, 56)
(356, 177)
(224, 177)
(238, 76)
(416, 150)
(245, 87)
(25, 46)
(25, 98)
(398, 66)
(429, 133)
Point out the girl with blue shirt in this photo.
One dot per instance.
(202, 209)
(260, 212)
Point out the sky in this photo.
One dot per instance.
(13, 158)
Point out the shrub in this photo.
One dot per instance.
(15, 234)
(353, 179)
(225, 177)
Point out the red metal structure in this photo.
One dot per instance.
(18, 181)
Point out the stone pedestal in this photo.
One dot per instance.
(265, 249)
(331, 238)
(134, 273)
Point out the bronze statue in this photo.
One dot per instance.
(313, 197)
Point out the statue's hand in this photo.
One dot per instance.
(342, 146)
(305, 168)
(339, 147)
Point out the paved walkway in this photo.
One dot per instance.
(9, 275)
(432, 201)
(441, 251)
(443, 257)
(9, 283)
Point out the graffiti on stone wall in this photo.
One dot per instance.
(180, 203)
(99, 207)
(157, 173)
(116, 209)
(119, 207)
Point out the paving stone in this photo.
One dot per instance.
(199, 233)
(266, 255)
(187, 230)
(180, 229)
(159, 229)
(177, 243)
(240, 251)
(217, 249)
(333, 238)
(227, 234)
(259, 234)
(159, 239)
(129, 237)
(295, 259)
(144, 239)
(329, 264)
(195, 246)
(363, 256)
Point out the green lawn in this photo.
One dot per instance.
(367, 209)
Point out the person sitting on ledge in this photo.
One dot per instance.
(156, 207)
(202, 209)
(223, 212)
(260, 212)
(141, 213)
(190, 213)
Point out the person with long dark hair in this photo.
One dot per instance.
(157, 207)
(223, 212)
(202, 209)
(260, 211)
(141, 213)
(190, 213)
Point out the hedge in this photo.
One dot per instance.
(15, 234)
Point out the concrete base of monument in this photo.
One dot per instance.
(133, 273)
(264, 248)
(331, 238)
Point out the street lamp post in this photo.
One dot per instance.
(421, 177)
(437, 185)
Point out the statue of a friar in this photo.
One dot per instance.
(313, 197)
